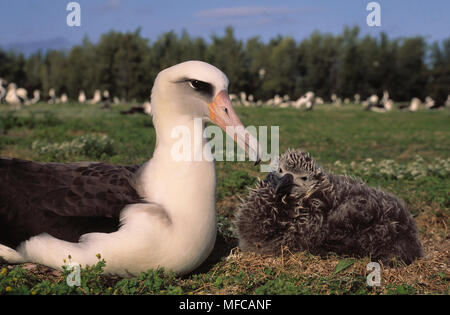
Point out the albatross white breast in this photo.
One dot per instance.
(166, 208)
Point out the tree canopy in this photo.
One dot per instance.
(126, 64)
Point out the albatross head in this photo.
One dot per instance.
(196, 89)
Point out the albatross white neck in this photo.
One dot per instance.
(186, 188)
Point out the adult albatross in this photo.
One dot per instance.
(165, 208)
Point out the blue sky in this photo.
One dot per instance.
(35, 23)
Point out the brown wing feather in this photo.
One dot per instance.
(63, 199)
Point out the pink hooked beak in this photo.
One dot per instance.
(222, 113)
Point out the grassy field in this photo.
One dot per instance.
(405, 153)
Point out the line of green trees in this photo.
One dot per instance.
(126, 64)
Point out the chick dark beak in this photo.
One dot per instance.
(285, 184)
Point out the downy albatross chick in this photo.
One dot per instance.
(166, 207)
(304, 208)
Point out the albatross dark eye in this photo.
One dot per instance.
(303, 178)
(280, 170)
(201, 86)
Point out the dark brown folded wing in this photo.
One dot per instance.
(65, 200)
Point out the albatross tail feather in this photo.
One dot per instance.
(10, 255)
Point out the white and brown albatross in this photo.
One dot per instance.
(160, 214)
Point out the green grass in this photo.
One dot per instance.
(76, 132)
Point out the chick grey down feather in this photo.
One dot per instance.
(301, 207)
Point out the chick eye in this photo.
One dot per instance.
(280, 170)
(303, 178)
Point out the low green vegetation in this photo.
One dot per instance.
(89, 145)
(407, 154)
